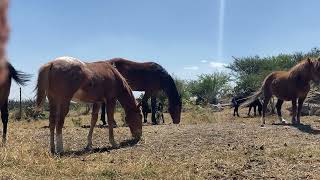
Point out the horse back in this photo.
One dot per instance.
(285, 86)
(140, 76)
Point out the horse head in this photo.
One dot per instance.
(175, 111)
(134, 120)
(315, 70)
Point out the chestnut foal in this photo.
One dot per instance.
(67, 78)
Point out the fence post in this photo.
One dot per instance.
(20, 106)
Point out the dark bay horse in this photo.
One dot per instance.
(292, 85)
(238, 100)
(151, 78)
(21, 79)
(67, 78)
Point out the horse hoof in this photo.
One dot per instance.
(262, 125)
(88, 149)
(115, 146)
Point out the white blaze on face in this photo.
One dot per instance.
(70, 59)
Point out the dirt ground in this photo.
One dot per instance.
(205, 145)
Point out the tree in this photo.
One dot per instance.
(249, 72)
(210, 86)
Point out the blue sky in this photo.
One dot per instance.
(187, 37)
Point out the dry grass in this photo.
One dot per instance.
(205, 146)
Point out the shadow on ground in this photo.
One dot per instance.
(124, 144)
(306, 128)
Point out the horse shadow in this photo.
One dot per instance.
(124, 144)
(305, 128)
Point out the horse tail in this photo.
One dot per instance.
(252, 98)
(42, 85)
(19, 77)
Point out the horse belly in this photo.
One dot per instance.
(82, 96)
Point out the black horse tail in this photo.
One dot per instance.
(19, 77)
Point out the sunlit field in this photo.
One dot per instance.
(205, 145)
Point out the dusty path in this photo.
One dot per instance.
(221, 149)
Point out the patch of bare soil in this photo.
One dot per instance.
(224, 147)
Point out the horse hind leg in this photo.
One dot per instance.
(94, 118)
(110, 113)
(53, 118)
(4, 117)
(64, 109)
(278, 106)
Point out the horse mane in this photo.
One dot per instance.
(300, 68)
(125, 96)
(169, 86)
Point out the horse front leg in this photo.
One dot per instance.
(103, 114)
(145, 105)
(294, 111)
(4, 117)
(154, 110)
(300, 105)
(94, 118)
(111, 104)
(250, 107)
(278, 106)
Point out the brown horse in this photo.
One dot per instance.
(151, 78)
(4, 34)
(67, 78)
(289, 85)
(21, 79)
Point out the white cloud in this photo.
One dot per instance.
(217, 65)
(194, 68)
(204, 61)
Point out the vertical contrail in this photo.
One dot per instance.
(221, 29)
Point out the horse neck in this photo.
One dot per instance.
(301, 74)
(127, 100)
(171, 91)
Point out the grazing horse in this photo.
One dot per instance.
(66, 78)
(237, 101)
(151, 78)
(289, 85)
(21, 79)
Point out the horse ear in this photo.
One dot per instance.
(309, 60)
